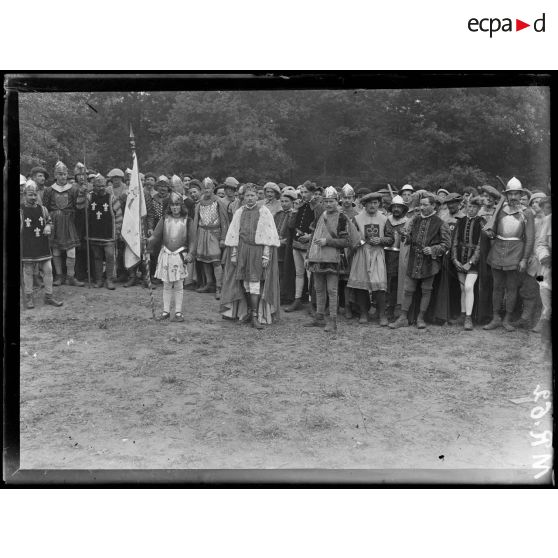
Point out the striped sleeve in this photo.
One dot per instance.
(117, 209)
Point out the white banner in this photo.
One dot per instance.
(131, 225)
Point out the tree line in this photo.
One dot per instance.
(429, 137)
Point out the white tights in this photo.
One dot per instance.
(168, 287)
(467, 282)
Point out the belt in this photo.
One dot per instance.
(509, 237)
(167, 251)
(210, 226)
(391, 248)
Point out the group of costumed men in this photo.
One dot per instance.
(407, 257)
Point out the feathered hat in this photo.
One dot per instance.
(79, 169)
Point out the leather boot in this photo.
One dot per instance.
(29, 301)
(72, 281)
(507, 322)
(296, 305)
(255, 321)
(59, 280)
(421, 324)
(468, 323)
(402, 321)
(318, 321)
(110, 285)
(494, 323)
(331, 325)
(459, 320)
(50, 300)
(255, 303)
(132, 280)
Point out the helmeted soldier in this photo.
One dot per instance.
(35, 228)
(513, 234)
(62, 200)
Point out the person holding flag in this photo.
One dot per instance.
(134, 221)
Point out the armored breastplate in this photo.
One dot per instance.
(511, 226)
(174, 233)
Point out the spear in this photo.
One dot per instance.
(491, 223)
(86, 209)
(146, 256)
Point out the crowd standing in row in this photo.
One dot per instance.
(407, 257)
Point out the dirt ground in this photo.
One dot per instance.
(104, 386)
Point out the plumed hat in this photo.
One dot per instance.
(347, 190)
(491, 191)
(250, 187)
(514, 185)
(115, 173)
(330, 192)
(176, 182)
(37, 170)
(231, 182)
(273, 187)
(476, 200)
(175, 198)
(453, 197)
(60, 167)
(290, 193)
(208, 182)
(398, 200)
(79, 169)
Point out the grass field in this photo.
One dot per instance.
(104, 386)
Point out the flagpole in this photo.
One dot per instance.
(143, 240)
(86, 209)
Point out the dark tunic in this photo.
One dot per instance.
(465, 246)
(249, 261)
(304, 222)
(102, 227)
(62, 207)
(34, 244)
(427, 231)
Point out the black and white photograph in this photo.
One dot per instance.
(281, 277)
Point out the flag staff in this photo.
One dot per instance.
(146, 257)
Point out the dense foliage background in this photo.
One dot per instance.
(428, 137)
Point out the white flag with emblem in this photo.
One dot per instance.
(131, 224)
